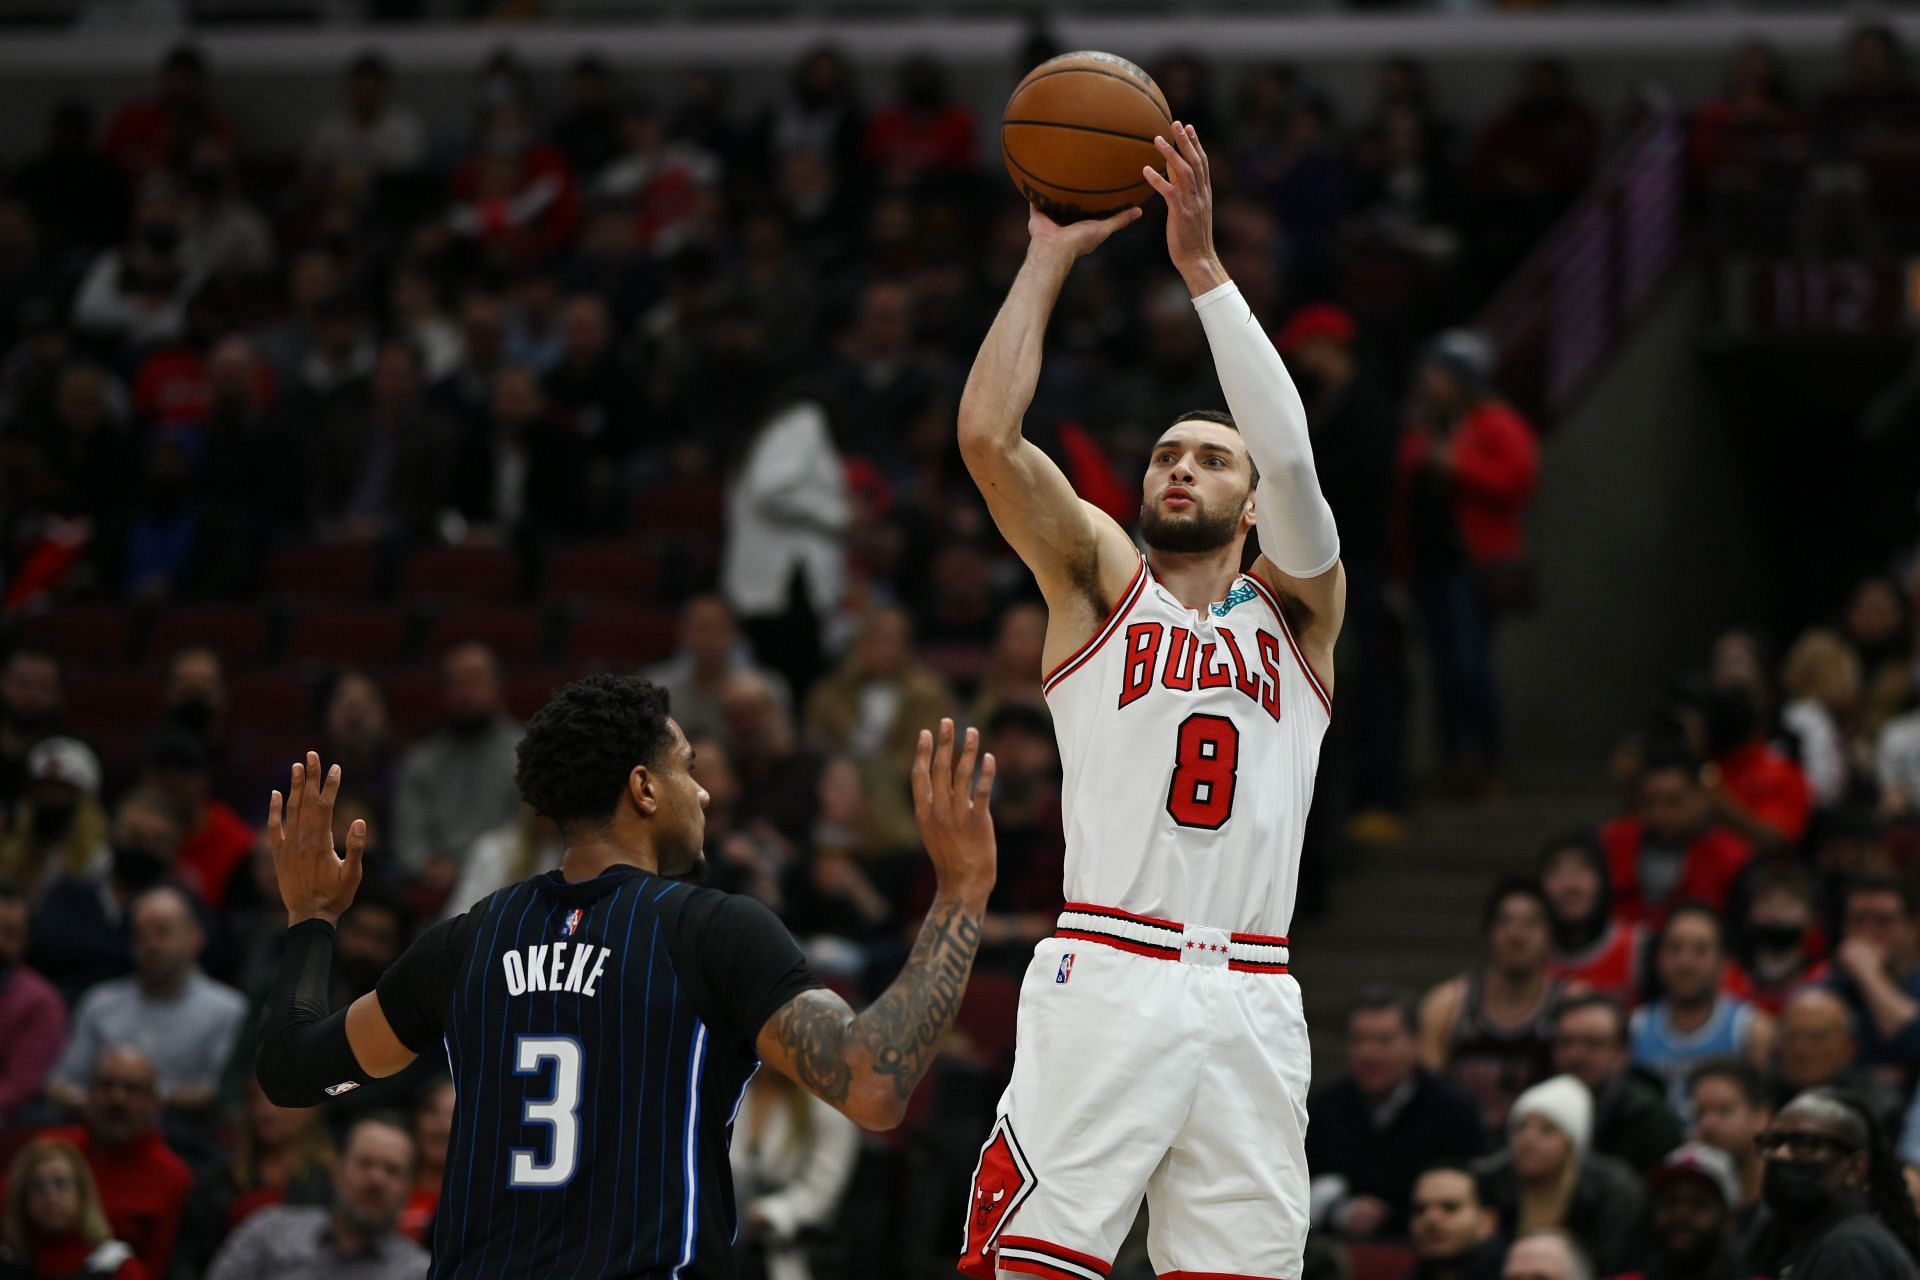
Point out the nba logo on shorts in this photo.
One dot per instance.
(573, 921)
(1066, 968)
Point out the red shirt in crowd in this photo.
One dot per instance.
(143, 1188)
(1714, 860)
(416, 1218)
(68, 1254)
(1611, 965)
(140, 137)
(33, 1027)
(1495, 468)
(534, 219)
(209, 857)
(904, 143)
(1769, 786)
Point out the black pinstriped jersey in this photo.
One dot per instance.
(601, 1036)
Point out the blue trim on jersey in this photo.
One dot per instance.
(664, 892)
(733, 1115)
(692, 1227)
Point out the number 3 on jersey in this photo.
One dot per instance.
(560, 1113)
(1205, 767)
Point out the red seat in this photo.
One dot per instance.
(617, 572)
(79, 633)
(622, 638)
(692, 509)
(323, 572)
(988, 1014)
(514, 635)
(529, 691)
(1380, 1261)
(342, 636)
(270, 702)
(237, 632)
(416, 701)
(114, 699)
(461, 573)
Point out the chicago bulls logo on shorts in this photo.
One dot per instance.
(1001, 1181)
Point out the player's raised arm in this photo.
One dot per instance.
(1058, 536)
(305, 1054)
(868, 1065)
(1298, 541)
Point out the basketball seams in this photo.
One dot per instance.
(1078, 191)
(1081, 128)
(1128, 81)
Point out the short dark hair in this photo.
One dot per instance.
(1512, 887)
(1670, 756)
(1691, 907)
(1382, 998)
(1883, 880)
(1594, 1000)
(583, 745)
(385, 1119)
(1219, 418)
(1743, 1074)
(1453, 1166)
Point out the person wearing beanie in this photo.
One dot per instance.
(1548, 1177)
(1467, 469)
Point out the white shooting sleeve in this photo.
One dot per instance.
(1295, 523)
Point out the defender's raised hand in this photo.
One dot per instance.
(315, 882)
(1074, 239)
(1188, 191)
(951, 810)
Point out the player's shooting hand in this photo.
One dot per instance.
(1074, 239)
(1188, 190)
(950, 807)
(315, 882)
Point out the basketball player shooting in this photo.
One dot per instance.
(1162, 1045)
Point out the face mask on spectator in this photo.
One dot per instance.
(50, 821)
(1795, 1190)
(1776, 938)
(137, 867)
(194, 714)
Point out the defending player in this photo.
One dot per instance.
(1162, 1045)
(601, 1021)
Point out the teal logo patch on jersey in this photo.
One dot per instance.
(1240, 594)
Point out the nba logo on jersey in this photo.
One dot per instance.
(1066, 968)
(573, 921)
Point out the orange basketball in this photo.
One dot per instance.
(1077, 132)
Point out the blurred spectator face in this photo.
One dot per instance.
(312, 279)
(196, 686)
(707, 633)
(1816, 1039)
(1874, 614)
(1723, 1117)
(233, 374)
(13, 931)
(396, 378)
(1691, 959)
(1755, 71)
(1572, 884)
(1440, 390)
(472, 686)
(1173, 332)
(367, 90)
(146, 838)
(806, 182)
(80, 399)
(1518, 937)
(1822, 667)
(374, 1177)
(1381, 1051)
(1540, 1150)
(1778, 921)
(1402, 83)
(483, 329)
(518, 399)
(755, 722)
(885, 645)
(123, 1098)
(885, 327)
(183, 78)
(1026, 754)
(843, 800)
(505, 134)
(17, 232)
(1446, 1219)
(369, 939)
(1541, 1257)
(1590, 1044)
(31, 693)
(356, 716)
(166, 937)
(583, 328)
(713, 770)
(1873, 61)
(1673, 805)
(821, 79)
(1020, 645)
(433, 1125)
(1880, 917)
(275, 1128)
(53, 1194)
(587, 85)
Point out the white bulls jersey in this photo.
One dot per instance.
(1190, 741)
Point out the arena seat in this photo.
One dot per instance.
(514, 635)
(112, 698)
(270, 702)
(323, 572)
(1379, 1261)
(348, 636)
(461, 573)
(80, 632)
(416, 701)
(607, 572)
(527, 691)
(621, 638)
(237, 632)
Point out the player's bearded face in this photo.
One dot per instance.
(1201, 526)
(682, 847)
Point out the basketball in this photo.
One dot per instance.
(1077, 132)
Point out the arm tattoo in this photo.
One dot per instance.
(900, 1033)
(904, 1028)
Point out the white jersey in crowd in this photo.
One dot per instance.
(1190, 741)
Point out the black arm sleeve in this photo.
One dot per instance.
(303, 1057)
(741, 962)
(417, 990)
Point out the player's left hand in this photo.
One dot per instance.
(1188, 191)
(315, 882)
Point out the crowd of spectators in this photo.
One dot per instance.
(724, 343)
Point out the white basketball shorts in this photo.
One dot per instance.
(1157, 1058)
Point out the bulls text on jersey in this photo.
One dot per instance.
(1177, 658)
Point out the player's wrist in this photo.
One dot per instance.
(1203, 274)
